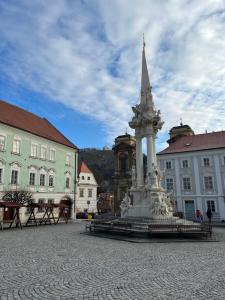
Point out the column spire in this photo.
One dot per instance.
(145, 82)
(143, 40)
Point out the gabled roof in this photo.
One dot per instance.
(197, 142)
(19, 118)
(83, 168)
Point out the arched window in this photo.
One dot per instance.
(123, 163)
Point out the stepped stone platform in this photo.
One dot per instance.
(163, 227)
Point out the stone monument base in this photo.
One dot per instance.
(144, 211)
(166, 227)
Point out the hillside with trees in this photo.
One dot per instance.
(101, 163)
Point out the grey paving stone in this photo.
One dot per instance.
(58, 263)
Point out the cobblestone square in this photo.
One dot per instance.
(57, 262)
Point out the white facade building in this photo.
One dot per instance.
(87, 190)
(194, 168)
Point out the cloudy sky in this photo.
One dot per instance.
(78, 63)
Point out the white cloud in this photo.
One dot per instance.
(87, 55)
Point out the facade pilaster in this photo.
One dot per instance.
(197, 185)
(219, 187)
(178, 187)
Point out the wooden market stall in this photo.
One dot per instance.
(10, 214)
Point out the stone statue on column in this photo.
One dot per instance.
(149, 196)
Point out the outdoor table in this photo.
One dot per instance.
(63, 208)
(16, 215)
(47, 216)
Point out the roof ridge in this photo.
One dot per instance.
(32, 123)
(45, 119)
(23, 109)
(198, 142)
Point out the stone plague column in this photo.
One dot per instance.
(148, 196)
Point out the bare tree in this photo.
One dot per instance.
(18, 196)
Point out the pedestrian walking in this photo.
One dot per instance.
(209, 214)
(198, 215)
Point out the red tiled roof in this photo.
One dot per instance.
(197, 142)
(82, 167)
(19, 118)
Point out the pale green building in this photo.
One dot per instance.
(35, 156)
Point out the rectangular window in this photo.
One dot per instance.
(32, 179)
(67, 182)
(34, 150)
(206, 162)
(50, 201)
(67, 159)
(1, 174)
(16, 146)
(42, 179)
(2, 143)
(169, 184)
(89, 178)
(14, 177)
(52, 155)
(89, 193)
(82, 177)
(51, 180)
(41, 201)
(43, 152)
(81, 193)
(187, 183)
(208, 182)
(211, 204)
(168, 165)
(185, 163)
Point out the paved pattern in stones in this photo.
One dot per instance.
(57, 262)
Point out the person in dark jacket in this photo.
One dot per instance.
(209, 214)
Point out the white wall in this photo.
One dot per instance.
(196, 171)
(87, 182)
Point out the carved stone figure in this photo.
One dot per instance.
(125, 205)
